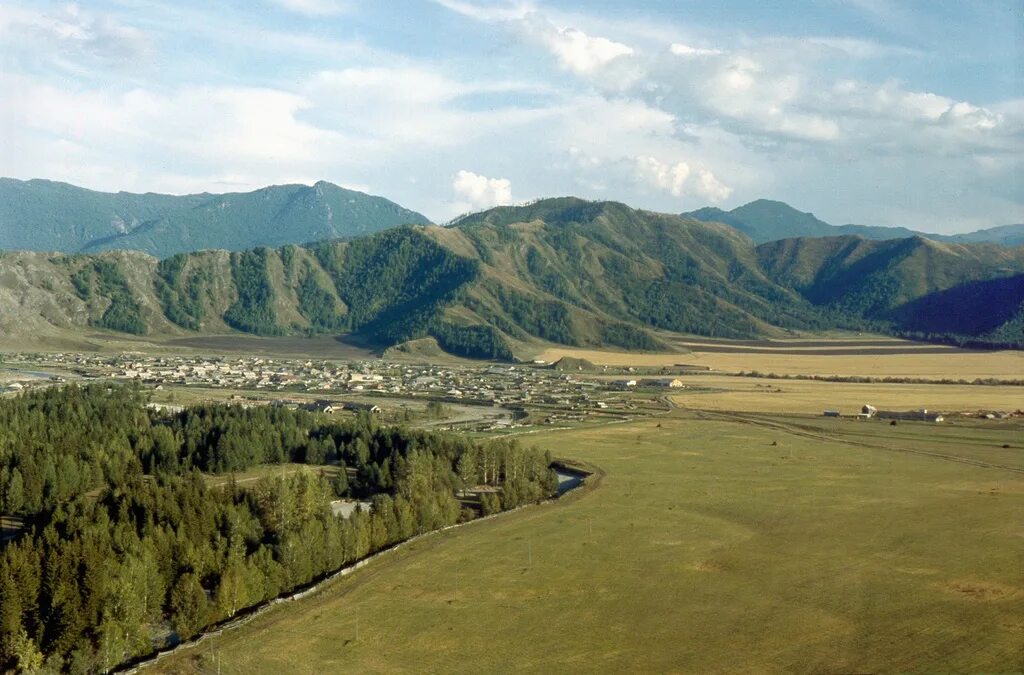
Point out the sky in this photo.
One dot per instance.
(860, 111)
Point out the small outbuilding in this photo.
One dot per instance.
(363, 407)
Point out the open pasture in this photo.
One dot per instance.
(713, 543)
(755, 394)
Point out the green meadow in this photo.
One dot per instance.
(706, 543)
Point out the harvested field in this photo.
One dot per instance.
(798, 343)
(948, 363)
(825, 351)
(749, 394)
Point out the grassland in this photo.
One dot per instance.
(714, 543)
(721, 392)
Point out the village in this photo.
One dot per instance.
(523, 394)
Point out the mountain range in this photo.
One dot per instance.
(42, 215)
(562, 270)
(765, 220)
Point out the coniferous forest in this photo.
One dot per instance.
(126, 548)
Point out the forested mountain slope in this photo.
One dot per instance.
(39, 215)
(562, 270)
(582, 272)
(911, 284)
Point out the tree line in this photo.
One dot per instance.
(127, 548)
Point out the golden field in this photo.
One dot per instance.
(751, 394)
(949, 364)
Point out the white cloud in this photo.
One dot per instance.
(490, 12)
(71, 36)
(675, 178)
(765, 99)
(575, 50)
(315, 7)
(969, 116)
(680, 49)
(709, 187)
(165, 140)
(582, 53)
(403, 108)
(669, 177)
(846, 47)
(481, 192)
(900, 119)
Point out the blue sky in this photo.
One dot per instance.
(864, 111)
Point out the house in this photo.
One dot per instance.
(921, 415)
(670, 382)
(322, 405)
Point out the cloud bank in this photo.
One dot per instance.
(660, 113)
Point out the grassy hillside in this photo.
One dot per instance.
(39, 215)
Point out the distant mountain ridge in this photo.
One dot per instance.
(41, 215)
(766, 220)
(564, 270)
